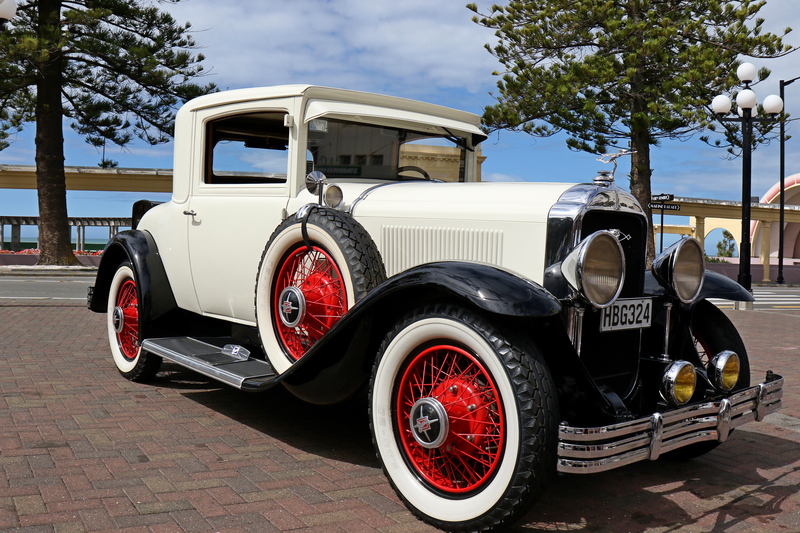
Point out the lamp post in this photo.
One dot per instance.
(746, 101)
(783, 177)
(8, 8)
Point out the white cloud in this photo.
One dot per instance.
(409, 48)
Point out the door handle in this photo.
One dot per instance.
(190, 213)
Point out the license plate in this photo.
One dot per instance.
(629, 313)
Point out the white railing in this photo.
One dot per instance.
(81, 223)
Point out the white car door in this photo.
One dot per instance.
(238, 200)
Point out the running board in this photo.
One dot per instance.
(217, 358)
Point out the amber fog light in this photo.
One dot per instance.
(596, 268)
(679, 382)
(724, 370)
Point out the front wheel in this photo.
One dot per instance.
(463, 418)
(123, 328)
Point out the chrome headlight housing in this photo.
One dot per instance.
(681, 269)
(679, 382)
(596, 268)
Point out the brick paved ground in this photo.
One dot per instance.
(82, 449)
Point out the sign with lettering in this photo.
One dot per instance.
(665, 207)
(664, 197)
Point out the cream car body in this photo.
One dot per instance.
(327, 240)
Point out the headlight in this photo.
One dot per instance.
(681, 269)
(724, 370)
(679, 382)
(596, 268)
(333, 196)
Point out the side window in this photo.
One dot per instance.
(247, 149)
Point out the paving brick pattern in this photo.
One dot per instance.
(82, 449)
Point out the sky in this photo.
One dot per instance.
(418, 49)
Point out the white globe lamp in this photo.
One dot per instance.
(8, 8)
(746, 99)
(721, 105)
(746, 72)
(773, 104)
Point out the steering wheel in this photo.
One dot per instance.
(412, 168)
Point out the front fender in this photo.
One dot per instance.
(715, 286)
(154, 291)
(718, 286)
(339, 362)
(487, 287)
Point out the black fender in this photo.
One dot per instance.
(342, 360)
(154, 291)
(718, 286)
(715, 285)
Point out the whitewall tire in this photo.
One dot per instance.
(123, 328)
(465, 442)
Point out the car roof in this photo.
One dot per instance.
(314, 92)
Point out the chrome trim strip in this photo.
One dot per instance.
(589, 450)
(351, 210)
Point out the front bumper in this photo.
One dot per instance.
(589, 450)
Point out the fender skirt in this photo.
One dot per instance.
(154, 291)
(349, 346)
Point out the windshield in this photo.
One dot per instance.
(343, 149)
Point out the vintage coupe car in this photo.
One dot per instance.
(329, 240)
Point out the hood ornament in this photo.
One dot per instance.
(605, 177)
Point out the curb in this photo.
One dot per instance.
(28, 270)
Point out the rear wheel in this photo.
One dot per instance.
(464, 419)
(123, 328)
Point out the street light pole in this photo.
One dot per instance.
(783, 190)
(746, 101)
(745, 279)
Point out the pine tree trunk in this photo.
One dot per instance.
(640, 183)
(54, 230)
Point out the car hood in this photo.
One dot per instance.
(503, 224)
(490, 202)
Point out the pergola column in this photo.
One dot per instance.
(700, 231)
(765, 241)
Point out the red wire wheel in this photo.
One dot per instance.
(319, 280)
(469, 447)
(128, 335)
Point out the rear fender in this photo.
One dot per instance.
(154, 291)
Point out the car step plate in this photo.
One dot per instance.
(218, 358)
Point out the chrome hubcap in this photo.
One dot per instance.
(292, 306)
(118, 319)
(429, 423)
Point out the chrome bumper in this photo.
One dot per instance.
(589, 450)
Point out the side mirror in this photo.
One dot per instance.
(315, 182)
